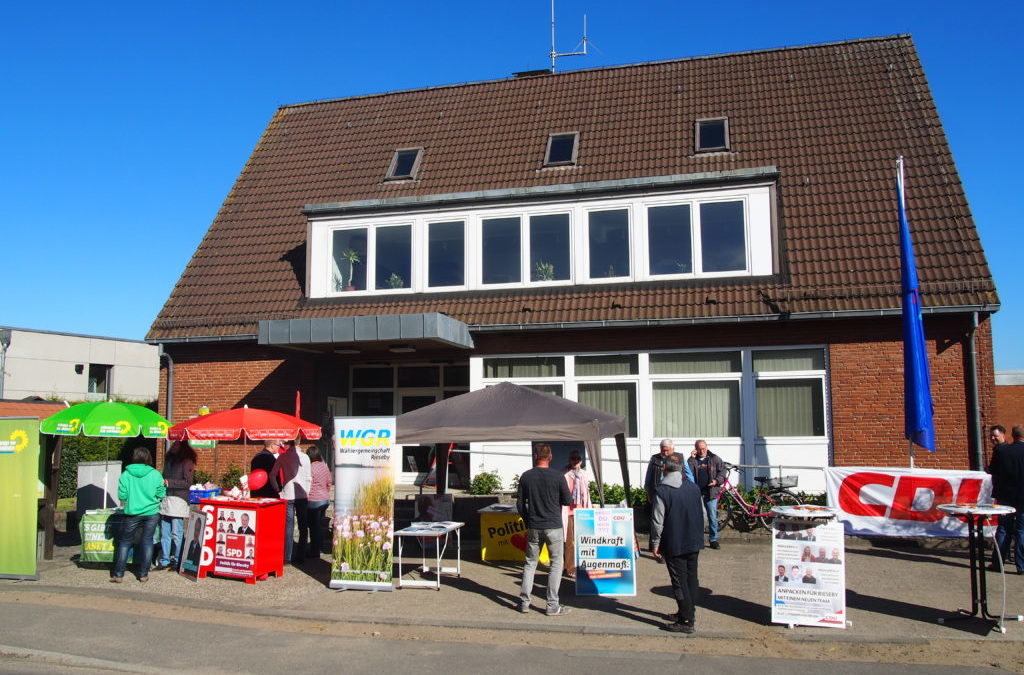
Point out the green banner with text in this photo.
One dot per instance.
(19, 467)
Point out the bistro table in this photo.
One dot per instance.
(437, 531)
(975, 515)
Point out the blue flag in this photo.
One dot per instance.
(917, 382)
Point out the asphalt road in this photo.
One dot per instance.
(51, 638)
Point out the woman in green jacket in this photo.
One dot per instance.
(140, 490)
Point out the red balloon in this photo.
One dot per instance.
(257, 479)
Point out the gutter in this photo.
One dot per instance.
(641, 323)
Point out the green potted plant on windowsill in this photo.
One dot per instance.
(352, 257)
(543, 271)
(395, 281)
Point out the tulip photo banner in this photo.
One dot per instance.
(19, 466)
(899, 502)
(365, 466)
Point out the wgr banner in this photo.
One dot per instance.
(19, 466)
(365, 465)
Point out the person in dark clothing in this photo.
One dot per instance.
(1007, 469)
(265, 459)
(542, 494)
(708, 472)
(677, 536)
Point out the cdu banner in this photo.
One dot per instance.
(19, 466)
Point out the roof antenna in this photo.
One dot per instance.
(554, 53)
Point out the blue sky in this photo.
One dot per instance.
(124, 124)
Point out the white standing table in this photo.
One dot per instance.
(440, 533)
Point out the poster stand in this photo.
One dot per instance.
(808, 567)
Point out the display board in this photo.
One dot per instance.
(503, 535)
(99, 530)
(19, 466)
(365, 465)
(605, 560)
(192, 544)
(808, 573)
(243, 538)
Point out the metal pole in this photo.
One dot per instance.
(5, 342)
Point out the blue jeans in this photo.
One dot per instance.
(170, 539)
(711, 507)
(317, 510)
(555, 540)
(1008, 525)
(144, 551)
(289, 530)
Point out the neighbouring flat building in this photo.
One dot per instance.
(71, 367)
(707, 246)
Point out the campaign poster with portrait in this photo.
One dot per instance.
(808, 573)
(605, 561)
(365, 465)
(235, 541)
(192, 545)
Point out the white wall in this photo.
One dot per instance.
(39, 363)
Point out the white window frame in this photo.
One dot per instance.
(758, 240)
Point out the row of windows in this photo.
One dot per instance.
(687, 394)
(710, 135)
(723, 233)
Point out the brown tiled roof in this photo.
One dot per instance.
(831, 118)
(38, 409)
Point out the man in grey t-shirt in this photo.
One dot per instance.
(542, 494)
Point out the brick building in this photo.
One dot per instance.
(707, 246)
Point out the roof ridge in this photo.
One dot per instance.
(703, 57)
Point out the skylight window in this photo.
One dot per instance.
(404, 164)
(712, 135)
(561, 149)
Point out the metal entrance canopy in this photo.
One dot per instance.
(432, 327)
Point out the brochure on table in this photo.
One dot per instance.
(808, 573)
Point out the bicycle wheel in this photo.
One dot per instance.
(726, 504)
(766, 500)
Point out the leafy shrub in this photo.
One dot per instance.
(232, 478)
(485, 483)
(201, 476)
(615, 493)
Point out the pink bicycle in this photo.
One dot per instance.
(736, 511)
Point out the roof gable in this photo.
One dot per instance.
(831, 118)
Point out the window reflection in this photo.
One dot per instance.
(549, 247)
(447, 254)
(609, 243)
(669, 245)
(501, 251)
(722, 237)
(394, 257)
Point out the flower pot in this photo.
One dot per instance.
(350, 288)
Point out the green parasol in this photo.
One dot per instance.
(106, 419)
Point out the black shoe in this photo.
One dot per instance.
(678, 627)
(714, 545)
(157, 568)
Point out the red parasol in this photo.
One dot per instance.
(257, 424)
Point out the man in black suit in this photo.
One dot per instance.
(243, 525)
(677, 535)
(1007, 469)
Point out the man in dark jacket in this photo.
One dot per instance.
(1007, 469)
(543, 492)
(265, 459)
(677, 535)
(708, 471)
